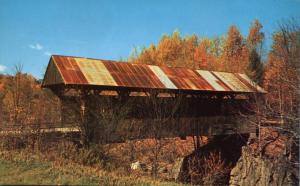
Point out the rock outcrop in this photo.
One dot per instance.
(261, 171)
(270, 161)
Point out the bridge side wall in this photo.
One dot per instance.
(118, 119)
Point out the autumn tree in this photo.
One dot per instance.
(202, 54)
(189, 47)
(169, 51)
(282, 70)
(235, 51)
(216, 50)
(256, 36)
(147, 56)
(282, 78)
(20, 91)
(254, 44)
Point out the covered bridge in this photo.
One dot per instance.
(130, 100)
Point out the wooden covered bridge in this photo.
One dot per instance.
(118, 100)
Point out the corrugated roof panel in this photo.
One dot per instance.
(70, 70)
(78, 75)
(132, 75)
(95, 72)
(191, 84)
(232, 81)
(254, 85)
(162, 77)
(186, 79)
(212, 80)
(172, 75)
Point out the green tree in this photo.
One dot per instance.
(255, 67)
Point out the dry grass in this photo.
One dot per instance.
(144, 151)
(24, 167)
(64, 163)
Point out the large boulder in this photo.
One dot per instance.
(269, 160)
(253, 170)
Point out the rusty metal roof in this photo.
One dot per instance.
(84, 71)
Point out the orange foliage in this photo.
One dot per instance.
(281, 76)
(230, 53)
(235, 56)
(255, 37)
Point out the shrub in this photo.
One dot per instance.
(85, 156)
(208, 170)
(12, 143)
